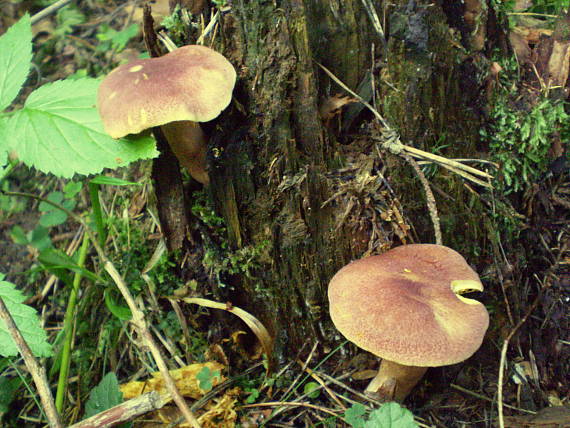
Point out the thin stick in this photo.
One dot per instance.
(432, 207)
(324, 386)
(44, 13)
(504, 359)
(138, 316)
(490, 400)
(37, 371)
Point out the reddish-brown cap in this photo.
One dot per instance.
(190, 83)
(405, 305)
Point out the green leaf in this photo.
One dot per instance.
(59, 131)
(26, 320)
(116, 40)
(56, 260)
(104, 396)
(355, 414)
(15, 59)
(67, 18)
(72, 188)
(19, 236)
(311, 389)
(39, 238)
(253, 395)
(3, 147)
(8, 389)
(391, 415)
(206, 377)
(121, 312)
(112, 181)
(53, 216)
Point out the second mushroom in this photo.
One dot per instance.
(188, 85)
(406, 306)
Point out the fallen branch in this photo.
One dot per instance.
(125, 411)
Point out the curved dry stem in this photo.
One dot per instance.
(189, 144)
(395, 381)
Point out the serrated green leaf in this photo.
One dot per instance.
(59, 131)
(27, 321)
(103, 396)
(3, 146)
(391, 415)
(354, 415)
(15, 59)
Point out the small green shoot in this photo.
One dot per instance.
(115, 40)
(206, 378)
(312, 390)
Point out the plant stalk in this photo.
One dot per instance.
(68, 328)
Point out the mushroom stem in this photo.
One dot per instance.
(395, 381)
(188, 142)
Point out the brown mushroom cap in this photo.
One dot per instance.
(190, 83)
(401, 305)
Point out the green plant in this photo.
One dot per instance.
(206, 378)
(58, 129)
(519, 140)
(389, 415)
(111, 39)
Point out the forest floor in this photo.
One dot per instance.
(528, 340)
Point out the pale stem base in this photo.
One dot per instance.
(395, 381)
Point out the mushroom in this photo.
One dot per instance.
(406, 306)
(188, 85)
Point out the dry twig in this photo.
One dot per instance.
(504, 359)
(37, 371)
(124, 412)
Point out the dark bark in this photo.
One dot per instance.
(308, 194)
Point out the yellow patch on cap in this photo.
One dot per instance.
(144, 116)
(135, 68)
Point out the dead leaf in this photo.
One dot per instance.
(252, 322)
(160, 9)
(331, 106)
(220, 413)
(185, 379)
(520, 46)
(558, 63)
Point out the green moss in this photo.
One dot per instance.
(520, 136)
